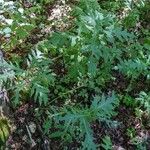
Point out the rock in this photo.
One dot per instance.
(118, 148)
(25, 138)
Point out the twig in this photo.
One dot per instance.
(30, 136)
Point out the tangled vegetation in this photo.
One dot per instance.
(75, 74)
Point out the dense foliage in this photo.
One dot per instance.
(81, 76)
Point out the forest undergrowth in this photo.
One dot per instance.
(75, 74)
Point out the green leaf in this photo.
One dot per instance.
(40, 93)
(92, 66)
(21, 33)
(103, 107)
(56, 134)
(47, 125)
(89, 139)
(107, 144)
